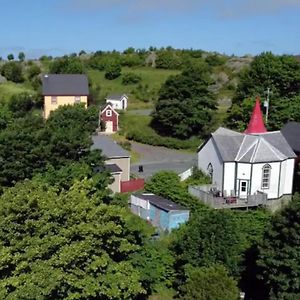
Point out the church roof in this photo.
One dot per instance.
(256, 124)
(251, 148)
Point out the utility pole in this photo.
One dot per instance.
(266, 104)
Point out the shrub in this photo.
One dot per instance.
(12, 71)
(112, 70)
(131, 78)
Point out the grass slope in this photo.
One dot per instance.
(151, 77)
(7, 89)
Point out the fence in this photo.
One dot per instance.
(132, 185)
(203, 193)
(186, 174)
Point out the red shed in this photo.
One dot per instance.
(109, 118)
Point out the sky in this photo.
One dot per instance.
(239, 27)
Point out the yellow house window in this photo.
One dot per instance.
(53, 100)
(77, 99)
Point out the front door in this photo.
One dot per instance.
(243, 191)
(109, 127)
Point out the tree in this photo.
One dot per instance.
(112, 70)
(209, 283)
(66, 65)
(12, 71)
(21, 56)
(212, 237)
(10, 56)
(279, 253)
(279, 73)
(185, 106)
(21, 104)
(155, 264)
(64, 246)
(167, 59)
(167, 184)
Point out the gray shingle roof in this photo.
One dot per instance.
(65, 85)
(115, 96)
(108, 147)
(291, 132)
(265, 147)
(161, 202)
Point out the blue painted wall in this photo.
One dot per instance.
(160, 218)
(177, 218)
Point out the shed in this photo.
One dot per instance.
(160, 212)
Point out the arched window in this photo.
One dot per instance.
(210, 170)
(266, 175)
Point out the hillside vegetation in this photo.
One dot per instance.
(190, 92)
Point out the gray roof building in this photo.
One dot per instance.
(115, 96)
(65, 85)
(291, 132)
(240, 147)
(160, 202)
(108, 147)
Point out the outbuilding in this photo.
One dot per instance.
(160, 212)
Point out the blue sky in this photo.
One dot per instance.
(57, 27)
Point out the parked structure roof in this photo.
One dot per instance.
(160, 202)
(65, 85)
(291, 132)
(108, 147)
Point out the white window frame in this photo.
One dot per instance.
(77, 99)
(108, 113)
(266, 177)
(53, 100)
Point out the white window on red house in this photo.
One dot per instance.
(53, 100)
(77, 99)
(108, 113)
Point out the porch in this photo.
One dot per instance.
(211, 196)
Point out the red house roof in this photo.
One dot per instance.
(256, 124)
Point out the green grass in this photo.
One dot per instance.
(152, 77)
(8, 89)
(137, 128)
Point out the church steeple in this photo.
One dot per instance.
(256, 124)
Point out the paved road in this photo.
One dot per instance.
(154, 159)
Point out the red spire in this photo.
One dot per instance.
(256, 124)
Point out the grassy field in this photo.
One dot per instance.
(151, 77)
(7, 89)
(137, 128)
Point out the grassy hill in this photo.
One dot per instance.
(151, 81)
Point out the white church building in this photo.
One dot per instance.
(244, 164)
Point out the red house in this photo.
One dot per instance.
(108, 119)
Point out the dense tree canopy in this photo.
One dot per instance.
(279, 73)
(12, 71)
(66, 65)
(279, 253)
(209, 283)
(28, 145)
(64, 246)
(185, 106)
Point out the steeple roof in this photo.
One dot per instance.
(256, 124)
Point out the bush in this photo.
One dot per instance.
(131, 78)
(12, 71)
(112, 70)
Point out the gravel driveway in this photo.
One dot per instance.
(154, 159)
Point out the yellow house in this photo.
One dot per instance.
(64, 89)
